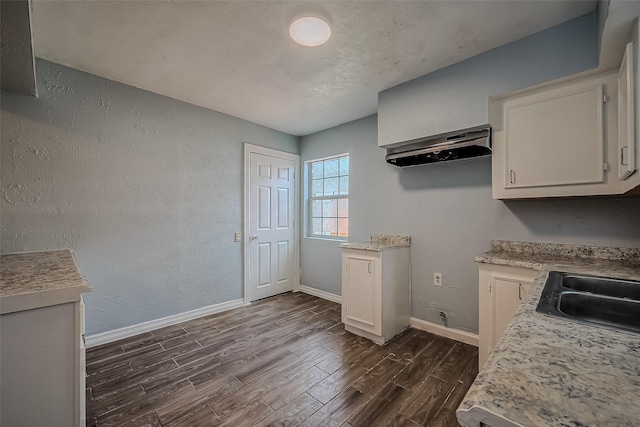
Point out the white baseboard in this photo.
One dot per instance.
(129, 331)
(456, 334)
(320, 294)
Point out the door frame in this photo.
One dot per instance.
(297, 182)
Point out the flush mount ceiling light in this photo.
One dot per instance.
(310, 31)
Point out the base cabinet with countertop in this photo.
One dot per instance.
(501, 291)
(42, 353)
(547, 371)
(376, 289)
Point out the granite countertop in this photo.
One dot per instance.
(39, 279)
(546, 371)
(379, 243)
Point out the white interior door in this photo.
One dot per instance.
(271, 214)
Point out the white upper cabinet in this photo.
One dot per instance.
(552, 140)
(571, 137)
(555, 137)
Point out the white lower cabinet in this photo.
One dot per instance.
(501, 291)
(42, 361)
(362, 294)
(376, 292)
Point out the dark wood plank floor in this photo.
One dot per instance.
(285, 360)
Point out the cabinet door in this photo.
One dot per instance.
(507, 294)
(502, 288)
(360, 294)
(626, 116)
(555, 137)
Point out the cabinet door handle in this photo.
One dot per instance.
(623, 158)
(520, 291)
(512, 176)
(369, 268)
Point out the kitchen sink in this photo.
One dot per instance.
(601, 301)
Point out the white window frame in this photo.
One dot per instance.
(310, 198)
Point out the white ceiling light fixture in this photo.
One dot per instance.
(310, 31)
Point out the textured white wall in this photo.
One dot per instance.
(447, 207)
(147, 190)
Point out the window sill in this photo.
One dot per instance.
(328, 239)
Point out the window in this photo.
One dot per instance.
(328, 209)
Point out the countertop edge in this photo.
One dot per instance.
(369, 248)
(29, 301)
(35, 297)
(379, 243)
(497, 260)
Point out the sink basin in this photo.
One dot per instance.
(601, 301)
(601, 285)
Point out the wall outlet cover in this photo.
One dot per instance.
(437, 279)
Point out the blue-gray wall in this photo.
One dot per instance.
(147, 190)
(447, 208)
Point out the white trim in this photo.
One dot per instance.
(414, 322)
(248, 149)
(320, 294)
(327, 239)
(129, 331)
(456, 334)
(306, 216)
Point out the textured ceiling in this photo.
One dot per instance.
(236, 57)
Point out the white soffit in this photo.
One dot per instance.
(620, 17)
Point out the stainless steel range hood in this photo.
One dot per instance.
(462, 144)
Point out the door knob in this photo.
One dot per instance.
(254, 237)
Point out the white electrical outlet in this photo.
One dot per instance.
(437, 279)
(237, 237)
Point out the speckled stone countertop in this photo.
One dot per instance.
(546, 371)
(39, 279)
(379, 243)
